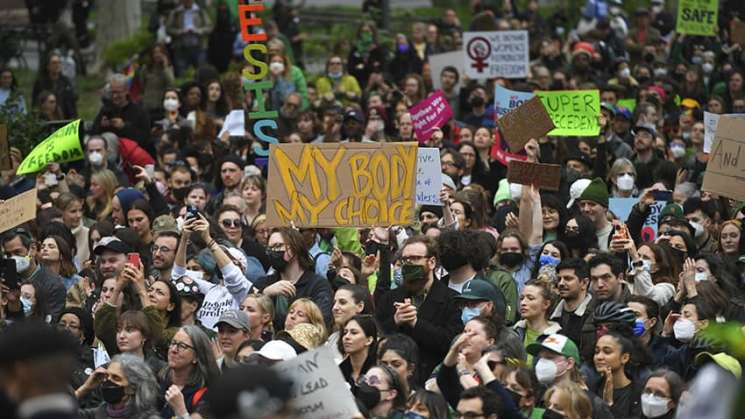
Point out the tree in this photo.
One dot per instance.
(116, 20)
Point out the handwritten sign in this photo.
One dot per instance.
(529, 120)
(18, 210)
(428, 176)
(5, 163)
(340, 185)
(544, 176)
(496, 54)
(621, 208)
(318, 388)
(737, 32)
(506, 100)
(697, 17)
(61, 147)
(429, 114)
(574, 112)
(724, 172)
(711, 120)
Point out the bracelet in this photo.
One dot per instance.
(211, 243)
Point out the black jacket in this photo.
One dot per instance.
(51, 284)
(136, 124)
(309, 286)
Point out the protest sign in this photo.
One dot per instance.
(61, 147)
(529, 120)
(428, 176)
(710, 127)
(544, 176)
(621, 208)
(318, 391)
(629, 104)
(574, 112)
(235, 124)
(439, 61)
(341, 184)
(737, 33)
(430, 114)
(697, 17)
(496, 54)
(724, 172)
(5, 163)
(17, 210)
(506, 100)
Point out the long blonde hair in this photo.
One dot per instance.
(574, 400)
(107, 179)
(315, 317)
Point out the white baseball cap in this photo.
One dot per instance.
(575, 191)
(277, 350)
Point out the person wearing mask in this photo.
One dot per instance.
(579, 236)
(622, 176)
(425, 404)
(647, 327)
(651, 272)
(607, 279)
(337, 83)
(701, 218)
(523, 386)
(661, 395)
(423, 307)
(593, 203)
(567, 400)
(685, 328)
(382, 392)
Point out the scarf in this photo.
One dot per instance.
(117, 412)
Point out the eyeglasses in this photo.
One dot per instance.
(408, 260)
(447, 163)
(162, 249)
(180, 346)
(235, 223)
(277, 248)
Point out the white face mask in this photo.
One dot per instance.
(546, 371)
(625, 182)
(698, 229)
(194, 274)
(624, 73)
(654, 406)
(95, 158)
(660, 72)
(27, 305)
(701, 276)
(678, 151)
(707, 67)
(276, 68)
(647, 265)
(170, 104)
(684, 330)
(22, 263)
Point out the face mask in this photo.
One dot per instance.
(684, 330)
(194, 274)
(697, 228)
(654, 406)
(697, 59)
(511, 259)
(477, 101)
(624, 73)
(413, 278)
(573, 241)
(180, 193)
(545, 371)
(452, 262)
(367, 394)
(647, 265)
(277, 260)
(708, 67)
(372, 247)
(639, 327)
(22, 263)
(679, 255)
(112, 393)
(548, 260)
(551, 414)
(412, 415)
(469, 313)
(701, 276)
(678, 151)
(27, 306)
(516, 397)
(643, 79)
(573, 175)
(276, 68)
(403, 48)
(660, 72)
(95, 158)
(336, 75)
(625, 182)
(170, 104)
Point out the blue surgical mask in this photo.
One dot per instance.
(469, 313)
(548, 260)
(412, 415)
(639, 327)
(27, 306)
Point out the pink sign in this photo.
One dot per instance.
(429, 114)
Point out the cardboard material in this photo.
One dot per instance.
(574, 112)
(319, 390)
(697, 17)
(342, 184)
(737, 35)
(544, 176)
(725, 171)
(61, 147)
(711, 120)
(496, 54)
(430, 114)
(5, 163)
(529, 120)
(506, 100)
(428, 177)
(17, 210)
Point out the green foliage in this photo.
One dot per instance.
(24, 130)
(118, 53)
(729, 336)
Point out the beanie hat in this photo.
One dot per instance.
(127, 197)
(434, 209)
(232, 158)
(596, 191)
(503, 192)
(583, 48)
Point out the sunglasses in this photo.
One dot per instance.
(235, 223)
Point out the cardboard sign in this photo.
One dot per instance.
(428, 176)
(17, 210)
(439, 61)
(724, 171)
(496, 54)
(5, 163)
(61, 147)
(737, 33)
(544, 176)
(711, 120)
(574, 112)
(697, 17)
(341, 184)
(319, 391)
(506, 100)
(529, 120)
(430, 114)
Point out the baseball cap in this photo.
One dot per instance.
(645, 127)
(575, 191)
(307, 335)
(447, 181)
(353, 114)
(608, 107)
(560, 344)
(726, 362)
(235, 318)
(112, 244)
(624, 113)
(164, 223)
(478, 290)
(186, 287)
(277, 350)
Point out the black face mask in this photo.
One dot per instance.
(277, 260)
(477, 102)
(111, 393)
(414, 277)
(572, 176)
(372, 247)
(180, 193)
(516, 397)
(573, 241)
(679, 255)
(367, 394)
(511, 259)
(452, 262)
(550, 414)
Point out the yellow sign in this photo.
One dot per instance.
(61, 147)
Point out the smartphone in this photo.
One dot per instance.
(664, 196)
(191, 212)
(8, 274)
(133, 258)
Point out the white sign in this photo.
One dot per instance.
(428, 176)
(711, 120)
(318, 388)
(506, 100)
(235, 124)
(496, 54)
(439, 61)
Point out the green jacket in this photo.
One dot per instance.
(504, 281)
(107, 317)
(347, 84)
(301, 86)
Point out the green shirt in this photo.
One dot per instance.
(530, 337)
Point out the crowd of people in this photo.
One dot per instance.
(170, 296)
